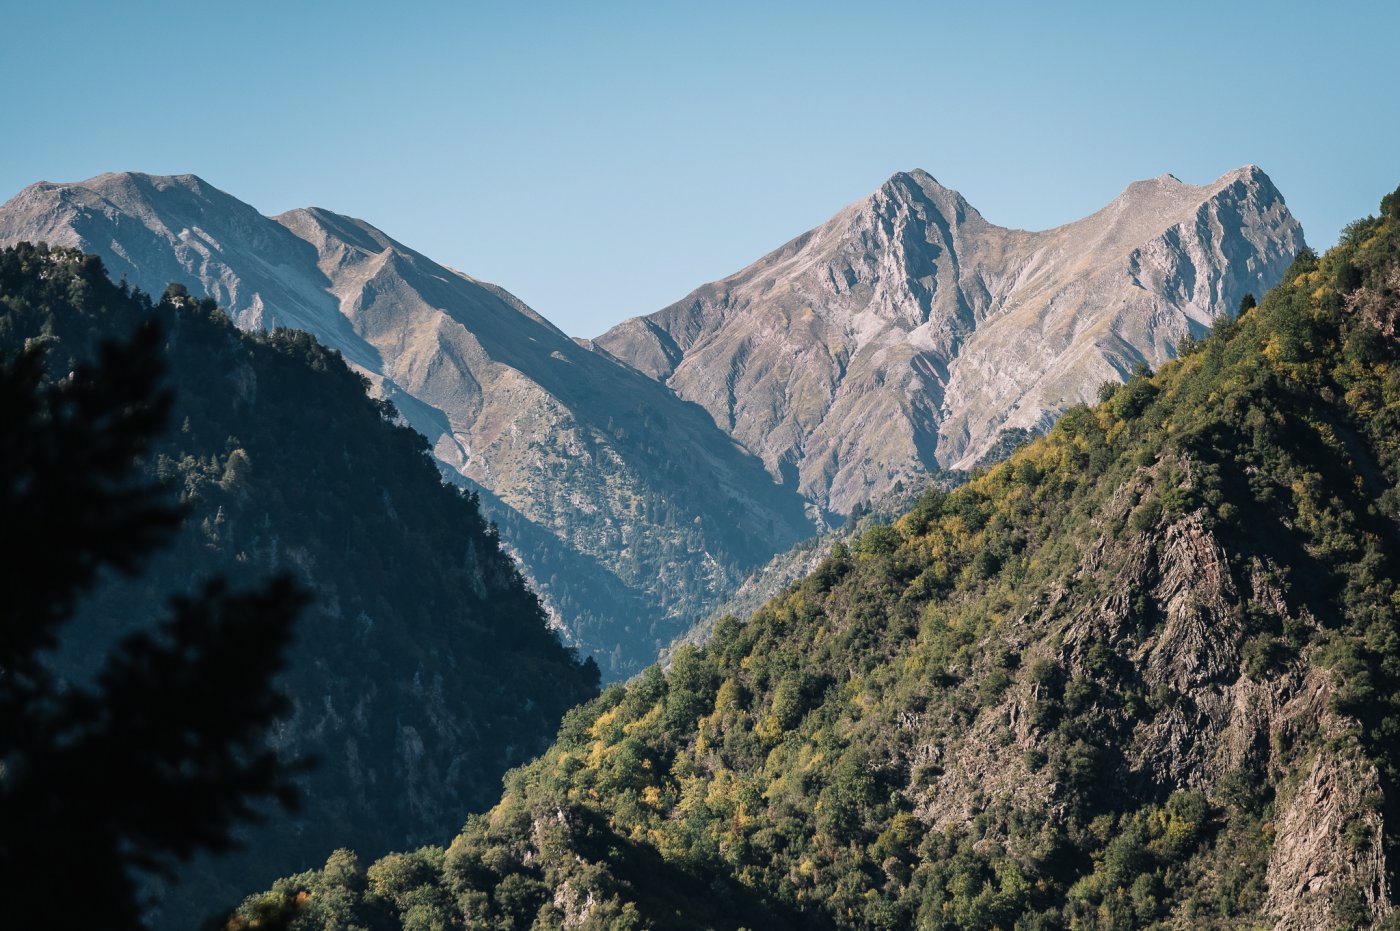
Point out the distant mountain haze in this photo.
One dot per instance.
(639, 477)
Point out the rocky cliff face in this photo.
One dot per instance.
(908, 332)
(1224, 714)
(627, 506)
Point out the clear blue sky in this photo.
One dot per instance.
(601, 159)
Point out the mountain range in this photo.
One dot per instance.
(909, 311)
(1145, 673)
(620, 498)
(639, 477)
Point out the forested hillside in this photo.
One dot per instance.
(1144, 673)
(424, 668)
(792, 565)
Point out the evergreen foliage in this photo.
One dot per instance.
(424, 668)
(163, 754)
(790, 566)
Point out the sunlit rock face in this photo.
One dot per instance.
(908, 332)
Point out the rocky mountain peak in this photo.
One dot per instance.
(920, 192)
(907, 333)
(179, 202)
(114, 181)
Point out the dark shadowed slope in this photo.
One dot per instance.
(424, 667)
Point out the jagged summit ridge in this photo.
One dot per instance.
(907, 332)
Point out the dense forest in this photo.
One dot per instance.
(423, 668)
(799, 561)
(1144, 673)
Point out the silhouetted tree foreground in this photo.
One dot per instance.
(163, 753)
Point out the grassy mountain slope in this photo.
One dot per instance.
(1144, 673)
(423, 671)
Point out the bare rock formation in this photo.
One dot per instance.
(907, 332)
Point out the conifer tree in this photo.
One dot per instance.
(163, 753)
